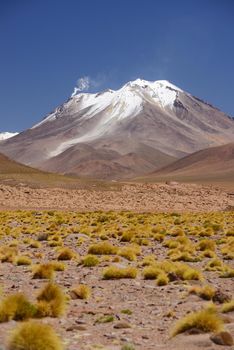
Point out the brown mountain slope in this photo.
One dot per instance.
(8, 166)
(13, 173)
(215, 164)
(85, 160)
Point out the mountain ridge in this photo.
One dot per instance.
(141, 117)
(213, 165)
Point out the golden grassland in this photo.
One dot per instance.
(191, 247)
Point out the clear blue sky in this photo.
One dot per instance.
(46, 45)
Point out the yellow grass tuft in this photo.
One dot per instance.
(102, 248)
(81, 291)
(90, 260)
(51, 301)
(66, 254)
(32, 335)
(151, 272)
(206, 292)
(162, 279)
(228, 307)
(43, 271)
(127, 253)
(114, 272)
(23, 260)
(206, 321)
(16, 307)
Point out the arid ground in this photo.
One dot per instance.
(129, 196)
(142, 272)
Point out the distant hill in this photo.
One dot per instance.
(17, 174)
(215, 164)
(8, 166)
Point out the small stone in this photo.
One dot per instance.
(110, 336)
(173, 277)
(76, 328)
(67, 284)
(172, 183)
(194, 330)
(222, 338)
(125, 339)
(80, 322)
(73, 295)
(221, 297)
(145, 337)
(121, 325)
(43, 236)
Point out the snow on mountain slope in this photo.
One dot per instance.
(7, 135)
(127, 102)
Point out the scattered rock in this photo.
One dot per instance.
(173, 277)
(222, 338)
(221, 297)
(121, 325)
(43, 236)
(145, 337)
(110, 336)
(172, 183)
(76, 328)
(80, 322)
(193, 331)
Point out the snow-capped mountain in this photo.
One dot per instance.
(7, 135)
(119, 133)
(115, 106)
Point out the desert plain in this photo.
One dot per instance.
(118, 266)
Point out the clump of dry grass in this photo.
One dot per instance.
(51, 301)
(23, 260)
(151, 272)
(214, 265)
(58, 265)
(34, 244)
(149, 260)
(228, 307)
(90, 260)
(7, 254)
(114, 272)
(208, 254)
(206, 292)
(127, 253)
(127, 236)
(81, 292)
(16, 307)
(179, 270)
(162, 279)
(32, 335)
(227, 272)
(206, 320)
(102, 248)
(43, 271)
(227, 249)
(184, 256)
(66, 254)
(42, 236)
(206, 244)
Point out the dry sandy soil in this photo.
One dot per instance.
(135, 197)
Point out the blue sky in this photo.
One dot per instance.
(47, 45)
